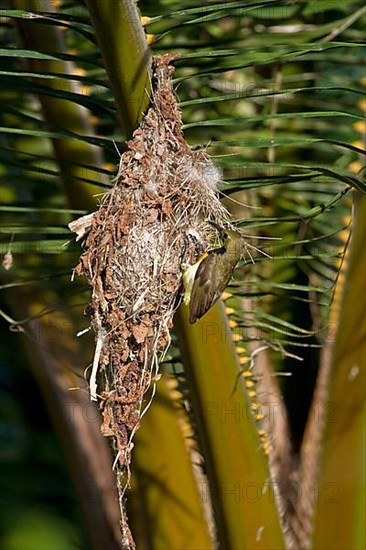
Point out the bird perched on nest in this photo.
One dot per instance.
(205, 281)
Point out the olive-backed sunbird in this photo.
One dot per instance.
(205, 281)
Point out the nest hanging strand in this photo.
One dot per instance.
(153, 220)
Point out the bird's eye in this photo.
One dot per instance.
(225, 235)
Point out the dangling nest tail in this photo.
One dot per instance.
(153, 220)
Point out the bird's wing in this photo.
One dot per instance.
(202, 298)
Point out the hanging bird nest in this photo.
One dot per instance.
(154, 220)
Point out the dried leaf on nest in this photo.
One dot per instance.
(153, 220)
(81, 226)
